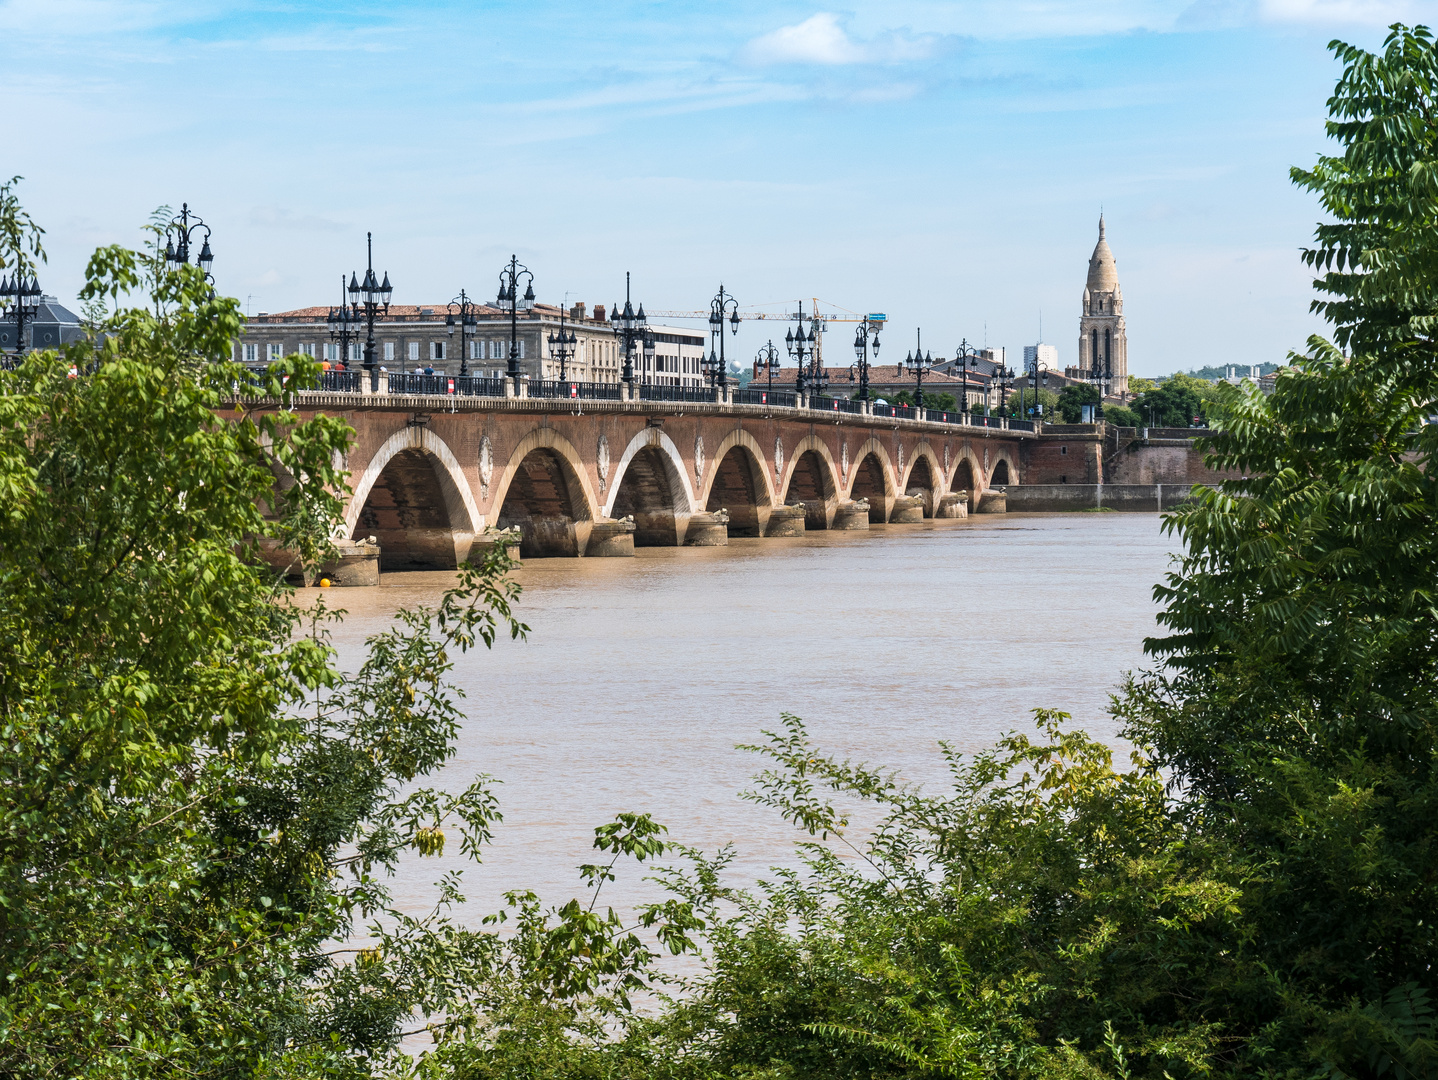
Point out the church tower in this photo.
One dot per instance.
(1103, 341)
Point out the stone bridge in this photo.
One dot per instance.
(431, 475)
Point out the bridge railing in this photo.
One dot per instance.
(651, 392)
(1020, 425)
(782, 398)
(343, 382)
(830, 404)
(587, 391)
(901, 412)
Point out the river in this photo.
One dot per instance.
(640, 676)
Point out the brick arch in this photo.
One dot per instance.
(874, 466)
(923, 452)
(967, 473)
(824, 500)
(738, 481)
(411, 450)
(1011, 468)
(658, 489)
(554, 504)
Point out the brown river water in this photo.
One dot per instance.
(640, 676)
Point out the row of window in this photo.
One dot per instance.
(496, 350)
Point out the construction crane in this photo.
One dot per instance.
(819, 319)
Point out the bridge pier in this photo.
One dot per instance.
(852, 515)
(908, 510)
(611, 540)
(953, 505)
(708, 530)
(786, 521)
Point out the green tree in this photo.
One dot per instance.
(1173, 403)
(1073, 398)
(1122, 416)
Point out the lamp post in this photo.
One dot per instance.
(562, 345)
(963, 360)
(801, 348)
(767, 358)
(368, 301)
(509, 294)
(343, 325)
(1034, 382)
(723, 304)
(918, 362)
(1005, 377)
(179, 236)
(865, 338)
(466, 320)
(631, 329)
(20, 300)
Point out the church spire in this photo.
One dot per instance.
(1100, 224)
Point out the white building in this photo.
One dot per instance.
(1048, 357)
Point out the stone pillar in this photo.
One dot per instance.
(356, 563)
(907, 510)
(719, 394)
(509, 388)
(708, 529)
(487, 539)
(786, 521)
(852, 515)
(953, 505)
(992, 502)
(611, 539)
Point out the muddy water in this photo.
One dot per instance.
(641, 675)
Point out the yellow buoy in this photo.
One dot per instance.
(324, 583)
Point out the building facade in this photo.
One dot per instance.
(421, 337)
(53, 327)
(1103, 338)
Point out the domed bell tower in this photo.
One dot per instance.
(1103, 340)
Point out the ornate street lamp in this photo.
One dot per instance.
(801, 347)
(20, 301)
(715, 367)
(509, 294)
(179, 237)
(632, 330)
(1005, 376)
(767, 358)
(344, 326)
(966, 361)
(866, 338)
(1033, 375)
(466, 320)
(368, 301)
(562, 345)
(918, 362)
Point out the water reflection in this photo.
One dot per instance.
(641, 675)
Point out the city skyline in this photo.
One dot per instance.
(946, 164)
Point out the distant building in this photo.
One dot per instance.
(54, 325)
(1048, 357)
(1103, 336)
(417, 336)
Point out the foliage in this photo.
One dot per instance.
(1121, 416)
(1215, 372)
(1022, 402)
(1073, 398)
(1174, 402)
(941, 400)
(20, 243)
(1137, 384)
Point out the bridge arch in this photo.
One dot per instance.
(1005, 469)
(739, 482)
(651, 483)
(413, 497)
(968, 473)
(872, 478)
(543, 493)
(812, 477)
(925, 475)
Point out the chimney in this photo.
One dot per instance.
(599, 312)
(577, 311)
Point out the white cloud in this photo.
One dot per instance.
(819, 39)
(1364, 12)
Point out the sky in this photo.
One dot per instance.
(942, 162)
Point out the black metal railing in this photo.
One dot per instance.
(401, 382)
(901, 412)
(784, 399)
(337, 380)
(1021, 425)
(649, 392)
(830, 404)
(582, 391)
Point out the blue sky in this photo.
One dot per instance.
(942, 162)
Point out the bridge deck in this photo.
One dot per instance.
(981, 427)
